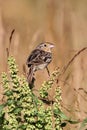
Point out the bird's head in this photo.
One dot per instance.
(45, 46)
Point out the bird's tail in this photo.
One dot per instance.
(30, 76)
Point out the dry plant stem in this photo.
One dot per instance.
(10, 39)
(80, 95)
(73, 58)
(83, 90)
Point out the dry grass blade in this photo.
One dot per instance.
(73, 58)
(10, 39)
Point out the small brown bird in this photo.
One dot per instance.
(39, 59)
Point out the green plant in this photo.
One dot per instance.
(23, 110)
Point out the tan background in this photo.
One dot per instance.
(63, 22)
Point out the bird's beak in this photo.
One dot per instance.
(52, 46)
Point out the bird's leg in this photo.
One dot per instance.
(48, 71)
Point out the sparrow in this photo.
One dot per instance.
(39, 59)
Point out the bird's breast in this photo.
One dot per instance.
(40, 67)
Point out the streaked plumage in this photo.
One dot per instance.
(39, 58)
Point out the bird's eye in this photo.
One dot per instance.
(45, 45)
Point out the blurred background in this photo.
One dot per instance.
(63, 22)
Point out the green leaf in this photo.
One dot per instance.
(17, 110)
(1, 115)
(83, 124)
(23, 127)
(8, 93)
(9, 102)
(1, 109)
(58, 112)
(1, 121)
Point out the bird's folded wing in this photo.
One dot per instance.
(39, 57)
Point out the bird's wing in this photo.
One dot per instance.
(38, 57)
